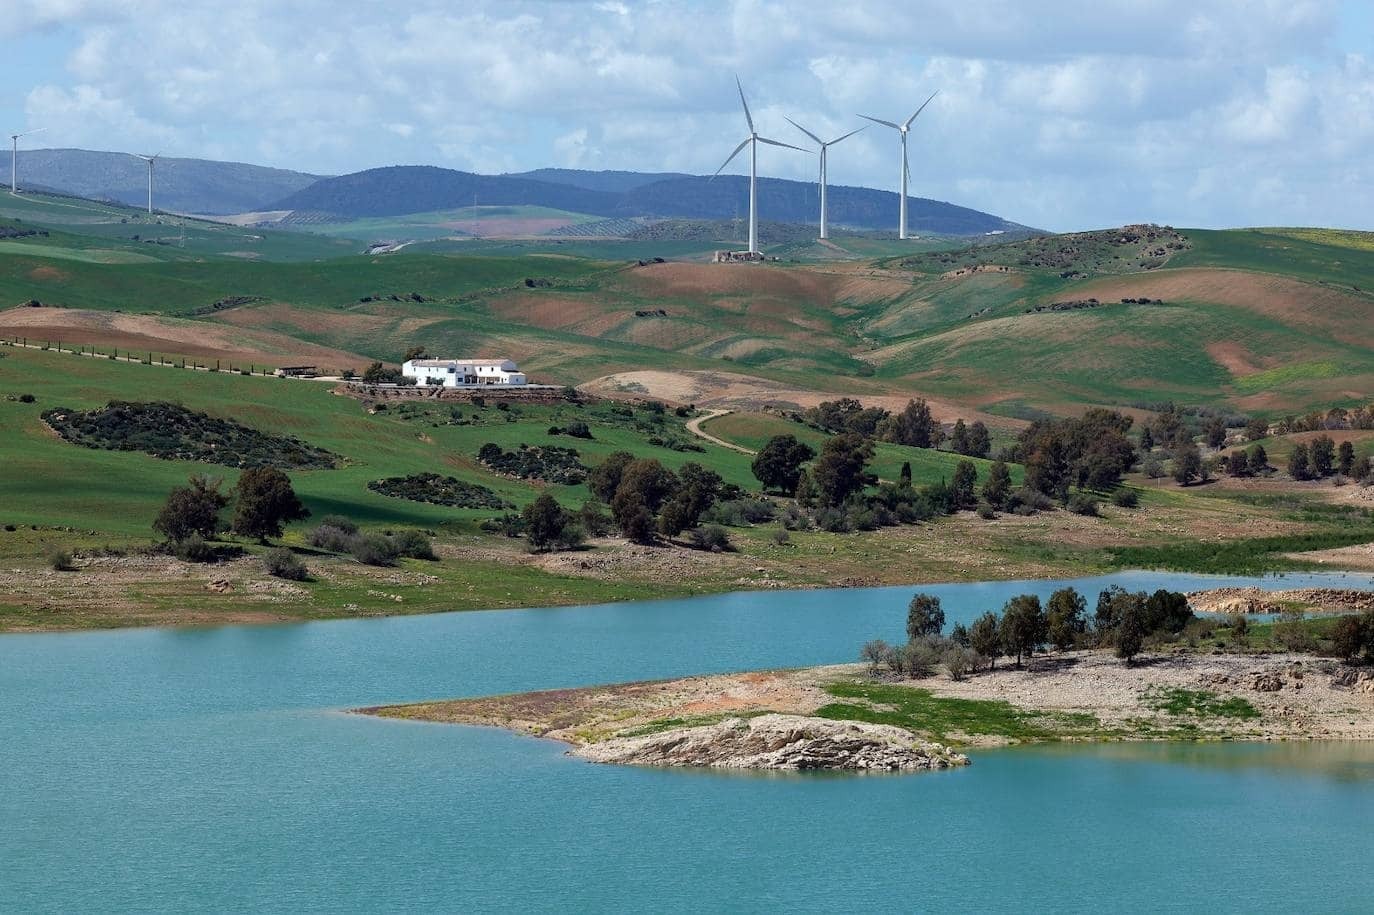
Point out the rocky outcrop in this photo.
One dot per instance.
(1254, 600)
(779, 742)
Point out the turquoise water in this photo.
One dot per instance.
(212, 769)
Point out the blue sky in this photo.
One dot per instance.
(1057, 113)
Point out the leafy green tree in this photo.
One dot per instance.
(841, 470)
(1257, 458)
(1237, 464)
(1167, 611)
(263, 502)
(998, 485)
(904, 477)
(1299, 464)
(604, 479)
(1064, 617)
(1257, 429)
(1360, 469)
(959, 636)
(979, 441)
(644, 486)
(807, 494)
(915, 426)
(191, 509)
(1348, 636)
(778, 465)
(697, 490)
(1130, 631)
(924, 616)
(962, 485)
(1108, 611)
(545, 522)
(1323, 453)
(1216, 433)
(985, 637)
(1345, 458)
(1023, 626)
(958, 438)
(1187, 463)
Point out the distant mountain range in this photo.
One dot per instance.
(400, 190)
(180, 185)
(224, 188)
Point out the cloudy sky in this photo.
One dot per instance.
(1062, 114)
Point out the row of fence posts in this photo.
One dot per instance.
(129, 356)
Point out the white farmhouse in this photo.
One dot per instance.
(456, 373)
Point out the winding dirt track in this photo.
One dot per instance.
(694, 427)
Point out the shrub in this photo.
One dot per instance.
(1125, 498)
(1348, 637)
(711, 537)
(594, 518)
(1290, 632)
(413, 545)
(959, 661)
(373, 550)
(26, 398)
(439, 490)
(191, 509)
(332, 537)
(877, 653)
(279, 562)
(549, 463)
(921, 656)
(741, 512)
(781, 537)
(339, 522)
(193, 548)
(545, 522)
(59, 560)
(1082, 504)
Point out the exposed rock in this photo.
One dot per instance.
(779, 742)
(219, 585)
(1267, 683)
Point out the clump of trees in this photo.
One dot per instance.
(338, 534)
(1123, 622)
(549, 525)
(1091, 451)
(647, 499)
(913, 425)
(1353, 635)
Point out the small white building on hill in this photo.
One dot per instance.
(456, 373)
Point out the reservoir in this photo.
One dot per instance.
(173, 770)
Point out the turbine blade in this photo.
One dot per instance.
(803, 129)
(880, 121)
(731, 158)
(747, 116)
(847, 136)
(919, 110)
(784, 145)
(29, 133)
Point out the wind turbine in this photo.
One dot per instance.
(752, 141)
(824, 145)
(150, 160)
(14, 157)
(906, 167)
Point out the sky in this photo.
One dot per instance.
(1061, 114)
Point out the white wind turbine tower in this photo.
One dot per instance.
(14, 157)
(150, 160)
(752, 141)
(824, 145)
(906, 167)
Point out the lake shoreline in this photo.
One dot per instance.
(1061, 697)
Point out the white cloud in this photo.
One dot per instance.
(1077, 113)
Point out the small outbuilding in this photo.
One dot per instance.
(457, 373)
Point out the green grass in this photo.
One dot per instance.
(1200, 703)
(945, 718)
(1252, 556)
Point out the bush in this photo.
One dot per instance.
(741, 512)
(1290, 632)
(413, 545)
(1082, 504)
(26, 398)
(877, 653)
(339, 522)
(193, 548)
(439, 490)
(1125, 498)
(373, 550)
(711, 537)
(959, 661)
(921, 656)
(59, 560)
(781, 537)
(279, 562)
(332, 537)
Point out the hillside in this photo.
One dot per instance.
(402, 190)
(180, 185)
(615, 182)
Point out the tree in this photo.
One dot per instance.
(1064, 617)
(264, 502)
(1130, 631)
(840, 471)
(958, 438)
(415, 352)
(979, 441)
(1345, 458)
(1167, 611)
(985, 637)
(1258, 459)
(1147, 439)
(1360, 469)
(914, 426)
(697, 490)
(1299, 467)
(644, 486)
(959, 635)
(998, 484)
(1323, 453)
(778, 465)
(961, 487)
(1348, 636)
(1216, 433)
(876, 653)
(1108, 611)
(924, 616)
(1237, 464)
(1047, 468)
(191, 509)
(604, 479)
(1023, 626)
(806, 494)
(545, 522)
(904, 476)
(1187, 463)
(1257, 429)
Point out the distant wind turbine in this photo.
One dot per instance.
(14, 157)
(150, 160)
(752, 141)
(824, 145)
(906, 166)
